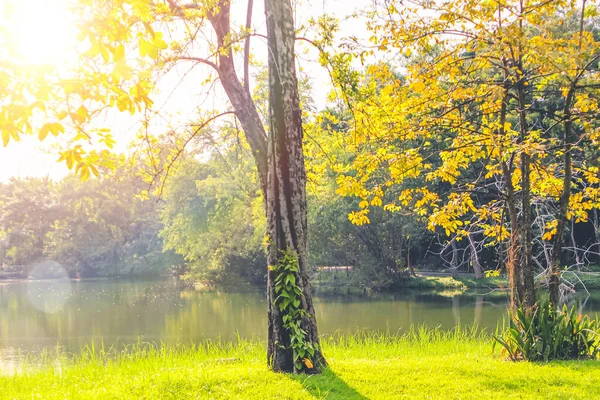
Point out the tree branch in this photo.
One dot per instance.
(247, 46)
(198, 60)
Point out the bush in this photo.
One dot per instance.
(547, 333)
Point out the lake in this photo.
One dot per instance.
(38, 315)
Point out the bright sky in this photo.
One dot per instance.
(42, 32)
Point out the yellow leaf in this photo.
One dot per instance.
(418, 86)
(144, 47)
(119, 53)
(5, 138)
(44, 130)
(159, 42)
(308, 363)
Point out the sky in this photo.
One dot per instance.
(42, 31)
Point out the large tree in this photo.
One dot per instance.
(286, 204)
(127, 43)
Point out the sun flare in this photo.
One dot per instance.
(37, 32)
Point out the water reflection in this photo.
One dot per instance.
(122, 312)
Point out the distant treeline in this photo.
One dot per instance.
(205, 222)
(96, 228)
(207, 225)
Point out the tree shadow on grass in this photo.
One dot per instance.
(327, 385)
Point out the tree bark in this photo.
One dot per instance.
(286, 185)
(513, 269)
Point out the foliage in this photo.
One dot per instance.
(28, 210)
(212, 216)
(93, 228)
(492, 118)
(547, 333)
(289, 298)
(447, 127)
(382, 253)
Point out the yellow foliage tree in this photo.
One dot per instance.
(470, 130)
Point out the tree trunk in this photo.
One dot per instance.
(454, 260)
(513, 269)
(529, 298)
(411, 269)
(576, 251)
(475, 259)
(557, 248)
(244, 106)
(286, 188)
(280, 163)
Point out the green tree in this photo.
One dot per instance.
(205, 206)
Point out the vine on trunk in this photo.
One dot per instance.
(289, 300)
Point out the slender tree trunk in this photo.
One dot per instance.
(411, 269)
(529, 298)
(513, 269)
(569, 140)
(238, 94)
(475, 259)
(576, 251)
(557, 248)
(454, 260)
(286, 185)
(398, 257)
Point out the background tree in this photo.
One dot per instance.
(464, 118)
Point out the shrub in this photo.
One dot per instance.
(547, 333)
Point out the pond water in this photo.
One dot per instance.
(38, 315)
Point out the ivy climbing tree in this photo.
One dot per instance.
(292, 324)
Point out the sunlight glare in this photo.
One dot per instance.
(38, 32)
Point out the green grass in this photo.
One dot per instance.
(492, 282)
(420, 364)
(591, 280)
(460, 282)
(332, 280)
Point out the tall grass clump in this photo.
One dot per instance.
(414, 340)
(144, 355)
(548, 333)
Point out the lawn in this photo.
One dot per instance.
(418, 365)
